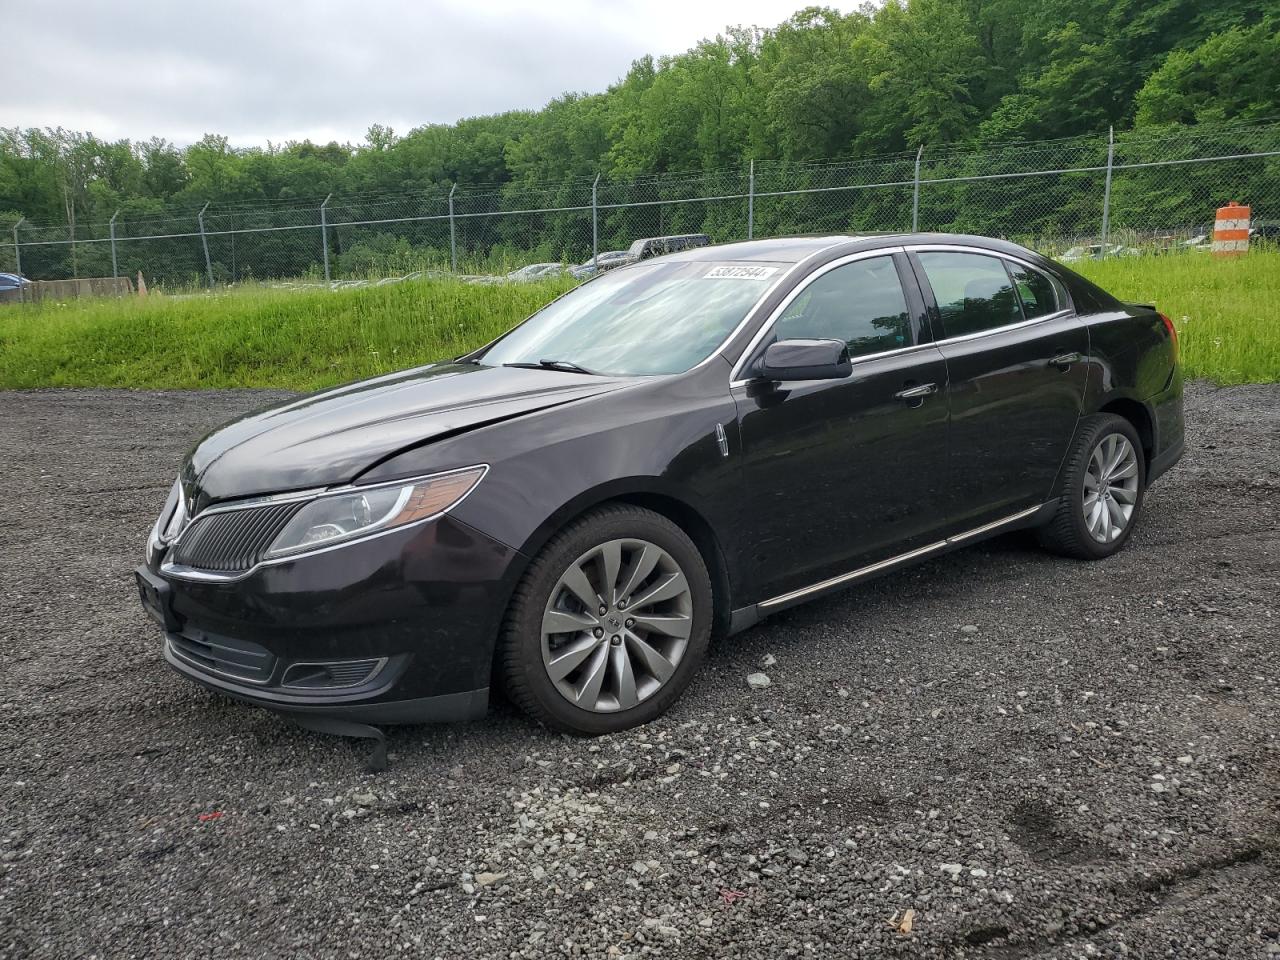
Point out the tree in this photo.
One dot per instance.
(820, 85)
(1233, 75)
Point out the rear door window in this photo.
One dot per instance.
(974, 292)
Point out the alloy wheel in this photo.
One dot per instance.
(616, 625)
(1110, 488)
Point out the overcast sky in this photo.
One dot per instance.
(275, 70)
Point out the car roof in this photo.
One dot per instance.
(795, 249)
(776, 250)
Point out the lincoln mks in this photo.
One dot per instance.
(677, 447)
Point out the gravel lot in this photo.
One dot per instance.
(1028, 756)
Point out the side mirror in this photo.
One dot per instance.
(805, 360)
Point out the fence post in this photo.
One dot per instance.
(915, 193)
(595, 229)
(17, 249)
(1106, 191)
(453, 235)
(324, 237)
(204, 242)
(751, 197)
(115, 269)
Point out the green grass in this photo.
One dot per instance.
(300, 340)
(1227, 313)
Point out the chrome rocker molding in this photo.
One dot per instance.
(745, 617)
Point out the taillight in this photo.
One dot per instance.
(1173, 335)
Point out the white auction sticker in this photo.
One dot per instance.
(733, 271)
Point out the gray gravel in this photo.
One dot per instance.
(1037, 758)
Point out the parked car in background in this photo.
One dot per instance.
(1267, 231)
(659, 246)
(1260, 231)
(600, 263)
(535, 271)
(11, 286)
(609, 259)
(684, 444)
(1097, 251)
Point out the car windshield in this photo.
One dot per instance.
(652, 318)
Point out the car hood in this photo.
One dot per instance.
(333, 436)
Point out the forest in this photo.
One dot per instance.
(957, 75)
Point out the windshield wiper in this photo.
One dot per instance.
(568, 366)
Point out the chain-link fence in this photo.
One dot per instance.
(1144, 191)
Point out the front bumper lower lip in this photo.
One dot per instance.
(464, 705)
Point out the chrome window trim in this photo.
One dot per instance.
(964, 337)
(1067, 310)
(182, 572)
(879, 565)
(735, 375)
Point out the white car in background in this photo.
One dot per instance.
(536, 271)
(1097, 251)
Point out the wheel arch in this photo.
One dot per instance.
(1136, 412)
(642, 492)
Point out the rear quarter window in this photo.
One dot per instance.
(974, 292)
(1040, 293)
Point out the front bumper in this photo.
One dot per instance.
(395, 629)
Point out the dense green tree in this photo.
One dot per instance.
(821, 85)
(1234, 74)
(816, 86)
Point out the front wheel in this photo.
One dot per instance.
(609, 624)
(1103, 483)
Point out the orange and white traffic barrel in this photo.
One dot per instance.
(1231, 230)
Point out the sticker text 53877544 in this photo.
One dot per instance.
(740, 271)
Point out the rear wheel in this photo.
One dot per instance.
(1103, 484)
(609, 623)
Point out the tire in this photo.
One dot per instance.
(576, 680)
(1073, 532)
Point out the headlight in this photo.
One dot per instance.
(337, 517)
(174, 516)
(169, 522)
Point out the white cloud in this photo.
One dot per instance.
(259, 71)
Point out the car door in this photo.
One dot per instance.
(838, 473)
(1015, 354)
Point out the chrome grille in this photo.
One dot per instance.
(232, 540)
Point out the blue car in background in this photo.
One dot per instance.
(11, 285)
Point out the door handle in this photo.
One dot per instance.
(1064, 360)
(916, 393)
